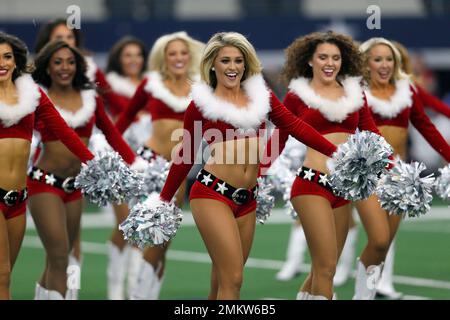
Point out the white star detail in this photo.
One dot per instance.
(50, 179)
(309, 174)
(206, 179)
(147, 154)
(323, 179)
(37, 174)
(221, 188)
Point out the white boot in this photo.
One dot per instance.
(40, 293)
(366, 281)
(295, 251)
(54, 295)
(73, 278)
(302, 295)
(134, 265)
(117, 261)
(347, 258)
(156, 289)
(313, 297)
(146, 280)
(385, 286)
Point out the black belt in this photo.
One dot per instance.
(315, 176)
(13, 197)
(239, 196)
(66, 184)
(146, 153)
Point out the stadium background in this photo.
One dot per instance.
(422, 266)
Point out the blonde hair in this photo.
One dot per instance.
(366, 46)
(156, 58)
(232, 39)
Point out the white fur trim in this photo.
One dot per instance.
(121, 85)
(249, 117)
(155, 86)
(335, 111)
(400, 100)
(29, 95)
(91, 68)
(82, 115)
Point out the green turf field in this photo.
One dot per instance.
(422, 265)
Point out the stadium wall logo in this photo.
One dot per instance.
(374, 20)
(73, 21)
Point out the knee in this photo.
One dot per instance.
(379, 245)
(5, 275)
(233, 280)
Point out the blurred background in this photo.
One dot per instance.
(423, 26)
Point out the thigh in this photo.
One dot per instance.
(5, 261)
(49, 216)
(342, 216)
(373, 218)
(73, 211)
(219, 230)
(16, 230)
(246, 225)
(317, 218)
(394, 224)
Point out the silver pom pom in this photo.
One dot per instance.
(151, 223)
(107, 178)
(155, 174)
(442, 185)
(403, 191)
(357, 164)
(265, 201)
(138, 132)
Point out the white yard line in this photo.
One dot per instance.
(200, 257)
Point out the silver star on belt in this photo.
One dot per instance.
(37, 174)
(206, 179)
(323, 179)
(309, 174)
(221, 188)
(50, 179)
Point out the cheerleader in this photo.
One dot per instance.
(125, 70)
(173, 65)
(230, 106)
(55, 204)
(323, 71)
(393, 103)
(21, 102)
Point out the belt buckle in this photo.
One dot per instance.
(11, 198)
(239, 199)
(68, 185)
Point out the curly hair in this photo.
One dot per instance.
(45, 32)
(20, 53)
(301, 51)
(114, 65)
(40, 75)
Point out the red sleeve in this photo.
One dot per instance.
(138, 101)
(185, 157)
(51, 118)
(432, 102)
(366, 121)
(111, 133)
(115, 102)
(279, 137)
(427, 129)
(300, 130)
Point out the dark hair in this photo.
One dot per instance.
(20, 53)
(116, 51)
(46, 30)
(300, 52)
(40, 75)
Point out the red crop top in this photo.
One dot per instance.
(326, 116)
(430, 101)
(160, 102)
(18, 121)
(211, 112)
(115, 103)
(83, 120)
(404, 105)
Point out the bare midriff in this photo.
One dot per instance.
(161, 140)
(13, 163)
(397, 137)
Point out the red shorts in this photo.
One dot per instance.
(199, 191)
(14, 211)
(305, 187)
(36, 187)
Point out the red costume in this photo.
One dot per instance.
(18, 122)
(207, 111)
(432, 102)
(406, 105)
